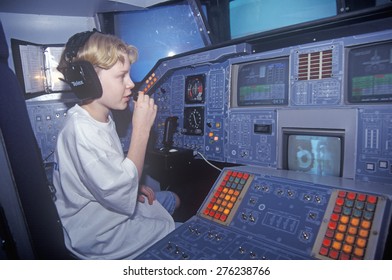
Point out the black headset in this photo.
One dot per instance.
(81, 75)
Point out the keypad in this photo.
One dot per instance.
(224, 199)
(348, 229)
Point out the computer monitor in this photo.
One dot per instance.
(369, 75)
(260, 83)
(313, 151)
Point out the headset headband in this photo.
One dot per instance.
(75, 43)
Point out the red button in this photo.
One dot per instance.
(361, 197)
(342, 194)
(340, 201)
(351, 195)
(372, 199)
(333, 254)
(323, 251)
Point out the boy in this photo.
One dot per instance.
(104, 212)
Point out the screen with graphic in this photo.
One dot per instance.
(370, 74)
(263, 82)
(314, 153)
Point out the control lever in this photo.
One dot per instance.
(170, 128)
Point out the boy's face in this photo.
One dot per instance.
(116, 85)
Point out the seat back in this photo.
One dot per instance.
(40, 214)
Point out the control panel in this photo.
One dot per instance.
(231, 105)
(259, 213)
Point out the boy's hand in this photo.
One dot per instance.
(146, 192)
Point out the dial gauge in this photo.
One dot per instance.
(194, 120)
(194, 89)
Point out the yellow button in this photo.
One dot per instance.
(226, 211)
(227, 197)
(210, 134)
(215, 207)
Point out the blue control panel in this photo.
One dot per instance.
(259, 213)
(233, 105)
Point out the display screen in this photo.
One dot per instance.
(262, 82)
(370, 74)
(315, 154)
(254, 16)
(158, 32)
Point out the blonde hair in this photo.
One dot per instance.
(103, 51)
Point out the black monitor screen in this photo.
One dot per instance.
(370, 74)
(262, 82)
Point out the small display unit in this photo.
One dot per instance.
(195, 89)
(314, 151)
(259, 83)
(369, 75)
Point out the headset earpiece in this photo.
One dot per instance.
(83, 79)
(81, 75)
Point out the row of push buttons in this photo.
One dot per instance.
(349, 226)
(225, 195)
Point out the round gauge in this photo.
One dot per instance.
(194, 120)
(194, 89)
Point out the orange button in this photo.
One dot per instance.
(336, 245)
(230, 205)
(347, 248)
(339, 236)
(344, 219)
(354, 222)
(227, 197)
(233, 199)
(359, 252)
(363, 233)
(349, 239)
(224, 203)
(342, 228)
(366, 224)
(361, 242)
(225, 190)
(352, 230)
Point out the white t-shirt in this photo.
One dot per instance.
(97, 190)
